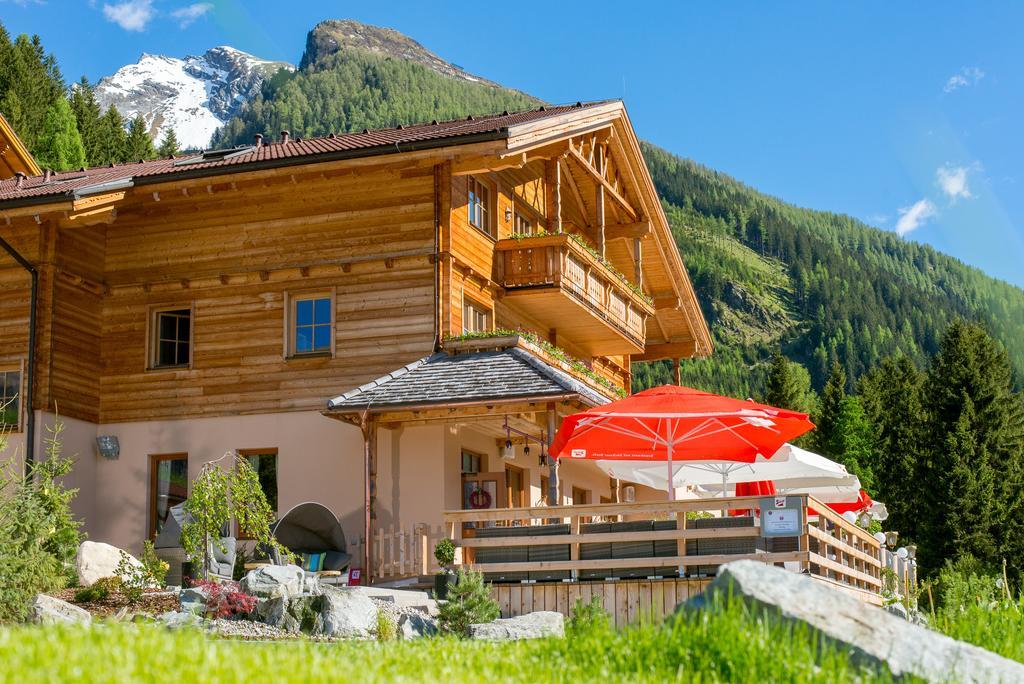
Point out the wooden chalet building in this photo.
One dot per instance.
(334, 308)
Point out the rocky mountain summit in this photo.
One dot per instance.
(194, 95)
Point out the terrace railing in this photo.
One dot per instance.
(687, 538)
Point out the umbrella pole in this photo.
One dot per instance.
(671, 478)
(725, 481)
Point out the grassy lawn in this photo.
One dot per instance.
(731, 646)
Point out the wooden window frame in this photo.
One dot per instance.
(19, 424)
(489, 204)
(154, 460)
(521, 209)
(524, 493)
(269, 451)
(474, 454)
(468, 301)
(291, 300)
(153, 335)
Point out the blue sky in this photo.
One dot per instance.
(906, 115)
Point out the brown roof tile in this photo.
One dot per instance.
(70, 183)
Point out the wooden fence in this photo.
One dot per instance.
(402, 552)
(705, 536)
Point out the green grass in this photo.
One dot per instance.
(729, 646)
(997, 625)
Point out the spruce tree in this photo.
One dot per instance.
(87, 117)
(112, 141)
(139, 145)
(829, 411)
(854, 441)
(891, 395)
(972, 410)
(60, 146)
(789, 386)
(169, 145)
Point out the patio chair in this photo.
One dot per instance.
(222, 562)
(313, 532)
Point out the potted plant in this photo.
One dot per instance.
(444, 552)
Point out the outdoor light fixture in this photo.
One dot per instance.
(911, 551)
(508, 214)
(526, 449)
(543, 460)
(508, 452)
(629, 493)
(902, 553)
(879, 537)
(891, 537)
(108, 446)
(864, 520)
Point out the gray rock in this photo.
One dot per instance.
(897, 609)
(871, 636)
(181, 620)
(402, 599)
(413, 626)
(294, 613)
(543, 623)
(47, 610)
(193, 600)
(347, 613)
(272, 581)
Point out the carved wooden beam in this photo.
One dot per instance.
(600, 179)
(627, 231)
(670, 350)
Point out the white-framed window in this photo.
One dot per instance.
(311, 324)
(170, 343)
(475, 316)
(479, 206)
(10, 399)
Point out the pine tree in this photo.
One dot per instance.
(169, 145)
(829, 411)
(972, 410)
(60, 147)
(891, 394)
(112, 141)
(139, 145)
(789, 386)
(87, 117)
(854, 442)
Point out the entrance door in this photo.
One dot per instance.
(482, 491)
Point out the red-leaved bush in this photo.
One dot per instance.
(225, 600)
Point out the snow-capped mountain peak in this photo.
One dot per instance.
(194, 95)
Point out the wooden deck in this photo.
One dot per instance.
(644, 558)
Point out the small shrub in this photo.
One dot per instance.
(154, 565)
(387, 628)
(134, 579)
(225, 600)
(469, 602)
(588, 616)
(100, 590)
(444, 552)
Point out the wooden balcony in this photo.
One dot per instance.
(670, 541)
(558, 281)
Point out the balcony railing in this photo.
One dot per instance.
(661, 539)
(559, 263)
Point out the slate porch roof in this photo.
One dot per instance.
(469, 378)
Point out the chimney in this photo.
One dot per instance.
(258, 139)
(47, 173)
(284, 136)
(20, 180)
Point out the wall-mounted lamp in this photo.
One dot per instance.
(891, 538)
(629, 493)
(508, 451)
(108, 446)
(508, 214)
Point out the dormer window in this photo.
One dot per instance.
(480, 206)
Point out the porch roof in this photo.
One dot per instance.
(444, 379)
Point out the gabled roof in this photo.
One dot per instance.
(444, 379)
(14, 156)
(74, 184)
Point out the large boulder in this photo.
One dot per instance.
(273, 581)
(193, 600)
(47, 610)
(348, 613)
(97, 560)
(543, 623)
(872, 636)
(294, 613)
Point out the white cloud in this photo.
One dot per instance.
(952, 181)
(913, 217)
(188, 14)
(131, 15)
(967, 76)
